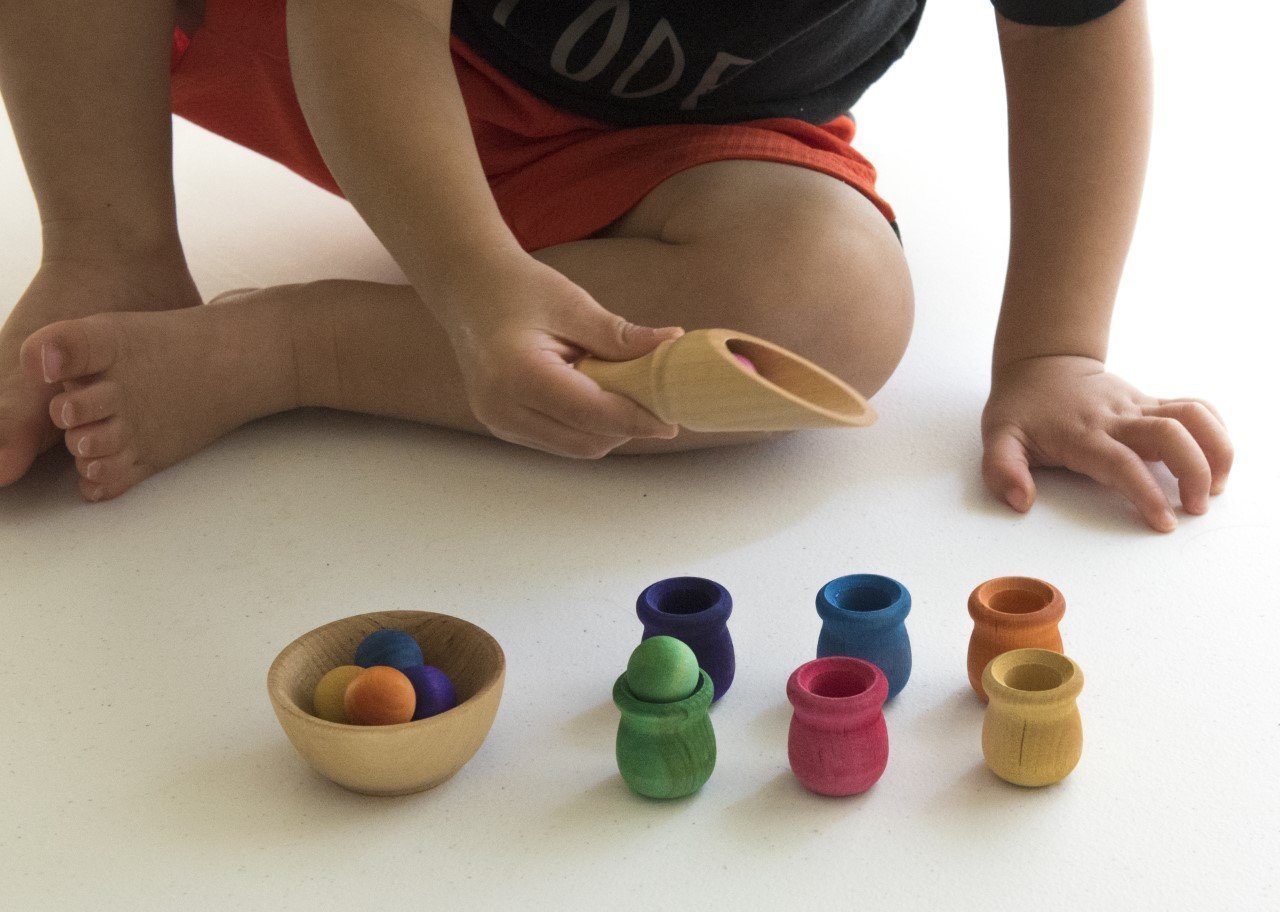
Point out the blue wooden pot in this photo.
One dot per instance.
(696, 612)
(864, 615)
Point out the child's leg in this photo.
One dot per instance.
(86, 85)
(774, 250)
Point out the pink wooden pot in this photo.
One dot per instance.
(838, 743)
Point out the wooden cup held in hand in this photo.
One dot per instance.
(695, 381)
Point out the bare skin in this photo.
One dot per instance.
(97, 153)
(58, 291)
(366, 347)
(1079, 104)
(484, 337)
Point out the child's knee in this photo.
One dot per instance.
(836, 291)
(860, 316)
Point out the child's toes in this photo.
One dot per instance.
(101, 438)
(71, 348)
(105, 477)
(94, 402)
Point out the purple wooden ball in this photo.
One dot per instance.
(434, 689)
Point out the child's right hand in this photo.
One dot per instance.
(517, 331)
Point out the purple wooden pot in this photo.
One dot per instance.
(695, 611)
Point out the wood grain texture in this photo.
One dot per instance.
(696, 382)
(1011, 612)
(662, 670)
(665, 750)
(837, 743)
(390, 759)
(864, 616)
(1031, 733)
(696, 611)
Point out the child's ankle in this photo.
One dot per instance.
(91, 243)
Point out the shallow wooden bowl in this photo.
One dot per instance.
(390, 759)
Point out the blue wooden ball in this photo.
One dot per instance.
(394, 648)
(435, 690)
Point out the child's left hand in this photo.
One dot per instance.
(1064, 410)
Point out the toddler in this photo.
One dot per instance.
(557, 178)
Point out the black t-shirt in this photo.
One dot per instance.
(709, 61)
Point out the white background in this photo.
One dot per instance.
(141, 766)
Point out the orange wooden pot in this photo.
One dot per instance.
(1012, 612)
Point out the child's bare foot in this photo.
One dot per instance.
(58, 291)
(144, 390)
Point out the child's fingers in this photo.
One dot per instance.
(540, 431)
(607, 335)
(1007, 471)
(1167, 440)
(578, 401)
(1205, 425)
(1115, 465)
(1209, 406)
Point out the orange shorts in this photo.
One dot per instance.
(556, 176)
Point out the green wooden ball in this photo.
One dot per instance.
(662, 670)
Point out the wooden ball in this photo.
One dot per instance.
(662, 669)
(380, 695)
(326, 701)
(434, 690)
(393, 648)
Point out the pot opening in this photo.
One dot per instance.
(839, 682)
(1019, 601)
(863, 598)
(796, 377)
(690, 597)
(1032, 677)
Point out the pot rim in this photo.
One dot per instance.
(696, 702)
(875, 690)
(895, 612)
(649, 612)
(993, 677)
(981, 609)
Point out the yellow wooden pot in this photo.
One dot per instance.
(1031, 734)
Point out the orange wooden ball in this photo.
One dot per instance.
(379, 695)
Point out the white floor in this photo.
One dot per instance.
(141, 767)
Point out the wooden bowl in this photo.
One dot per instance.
(390, 759)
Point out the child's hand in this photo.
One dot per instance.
(517, 332)
(1068, 411)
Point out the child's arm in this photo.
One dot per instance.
(377, 85)
(1079, 102)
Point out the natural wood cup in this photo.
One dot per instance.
(695, 381)
(390, 759)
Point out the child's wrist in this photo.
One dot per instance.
(1003, 361)
(476, 284)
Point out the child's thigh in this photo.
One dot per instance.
(786, 253)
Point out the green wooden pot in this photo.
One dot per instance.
(665, 750)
